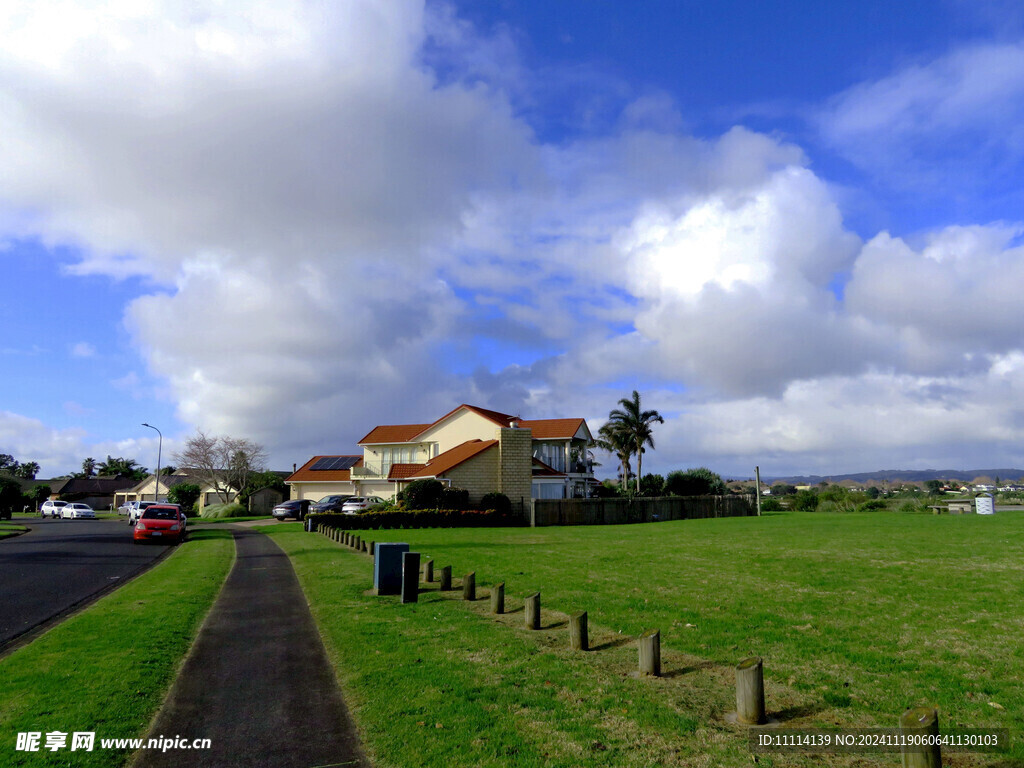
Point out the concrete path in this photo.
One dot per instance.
(257, 682)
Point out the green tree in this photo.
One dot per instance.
(26, 471)
(805, 501)
(695, 482)
(652, 485)
(11, 499)
(934, 487)
(88, 467)
(637, 426)
(121, 467)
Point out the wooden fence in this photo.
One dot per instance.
(619, 511)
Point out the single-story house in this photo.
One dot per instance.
(469, 447)
(98, 492)
(147, 489)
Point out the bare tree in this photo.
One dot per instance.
(225, 463)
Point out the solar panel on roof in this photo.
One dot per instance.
(335, 463)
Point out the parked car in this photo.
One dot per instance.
(51, 508)
(161, 522)
(358, 504)
(137, 507)
(296, 508)
(329, 504)
(76, 510)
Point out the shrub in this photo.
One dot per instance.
(871, 506)
(771, 504)
(218, 511)
(422, 494)
(499, 502)
(419, 518)
(185, 494)
(805, 501)
(453, 498)
(695, 482)
(652, 485)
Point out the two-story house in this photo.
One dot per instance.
(473, 448)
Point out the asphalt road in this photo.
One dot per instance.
(62, 565)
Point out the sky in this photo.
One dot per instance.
(796, 228)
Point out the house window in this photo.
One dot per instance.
(551, 454)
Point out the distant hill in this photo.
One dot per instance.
(902, 475)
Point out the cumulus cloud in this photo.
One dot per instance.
(337, 202)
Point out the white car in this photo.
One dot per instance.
(358, 504)
(77, 511)
(136, 509)
(51, 508)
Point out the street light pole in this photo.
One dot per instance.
(159, 450)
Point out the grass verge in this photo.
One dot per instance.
(857, 616)
(8, 529)
(108, 669)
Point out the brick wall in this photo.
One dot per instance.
(515, 447)
(478, 475)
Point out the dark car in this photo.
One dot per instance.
(294, 508)
(331, 503)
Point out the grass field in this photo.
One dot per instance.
(107, 669)
(856, 616)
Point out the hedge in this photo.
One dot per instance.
(419, 518)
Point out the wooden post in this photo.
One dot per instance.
(365, 547)
(757, 488)
(446, 578)
(410, 577)
(373, 549)
(750, 691)
(578, 632)
(498, 598)
(428, 572)
(359, 542)
(469, 586)
(344, 537)
(531, 608)
(650, 653)
(921, 721)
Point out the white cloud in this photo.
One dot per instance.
(83, 349)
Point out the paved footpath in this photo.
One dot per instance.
(257, 682)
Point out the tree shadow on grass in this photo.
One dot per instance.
(555, 625)
(797, 712)
(688, 670)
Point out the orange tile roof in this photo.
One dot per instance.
(402, 471)
(393, 433)
(451, 458)
(552, 429)
(304, 474)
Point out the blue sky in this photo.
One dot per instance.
(795, 227)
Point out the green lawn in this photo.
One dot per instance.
(856, 616)
(10, 529)
(108, 669)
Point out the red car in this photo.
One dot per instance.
(161, 522)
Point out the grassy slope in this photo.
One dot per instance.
(857, 617)
(108, 669)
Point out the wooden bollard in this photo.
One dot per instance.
(578, 640)
(336, 534)
(921, 721)
(469, 586)
(498, 598)
(344, 537)
(650, 653)
(532, 610)
(750, 691)
(373, 549)
(446, 578)
(410, 577)
(428, 572)
(365, 547)
(359, 544)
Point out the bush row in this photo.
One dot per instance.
(420, 518)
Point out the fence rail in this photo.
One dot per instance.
(619, 511)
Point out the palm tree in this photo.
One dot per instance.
(616, 441)
(635, 424)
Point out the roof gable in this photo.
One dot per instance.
(445, 462)
(557, 429)
(393, 433)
